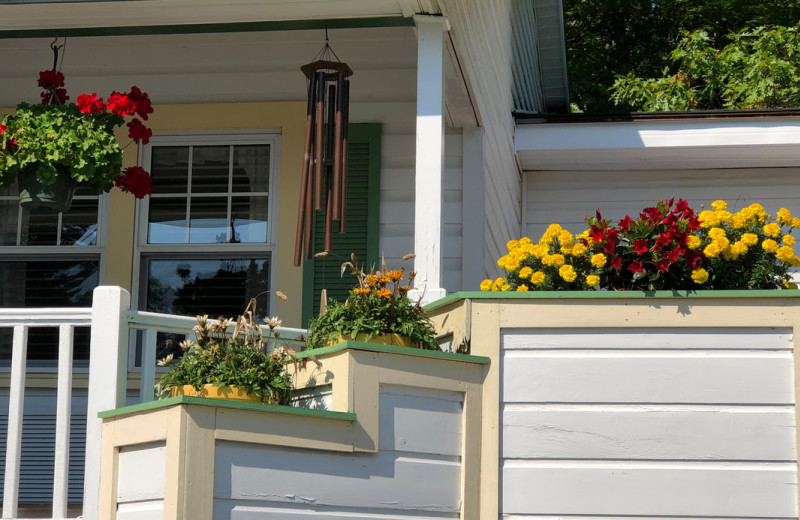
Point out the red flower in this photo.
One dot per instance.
(693, 258)
(616, 262)
(138, 132)
(135, 180)
(142, 101)
(121, 104)
(625, 224)
(56, 96)
(51, 79)
(613, 235)
(11, 144)
(3, 128)
(90, 104)
(640, 246)
(610, 247)
(674, 255)
(636, 267)
(663, 266)
(596, 234)
(664, 238)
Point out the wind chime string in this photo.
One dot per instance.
(325, 154)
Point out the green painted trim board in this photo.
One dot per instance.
(392, 349)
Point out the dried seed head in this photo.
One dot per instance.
(408, 257)
(281, 296)
(321, 254)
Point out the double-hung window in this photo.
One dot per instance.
(206, 236)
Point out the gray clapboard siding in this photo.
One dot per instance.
(652, 377)
(565, 196)
(658, 489)
(255, 510)
(647, 432)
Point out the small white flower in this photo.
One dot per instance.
(166, 361)
(273, 322)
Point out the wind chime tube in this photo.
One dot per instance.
(331, 188)
(345, 123)
(318, 141)
(309, 212)
(337, 151)
(304, 191)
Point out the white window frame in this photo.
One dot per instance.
(269, 249)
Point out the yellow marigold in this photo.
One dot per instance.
(565, 237)
(789, 285)
(395, 275)
(712, 250)
(708, 218)
(794, 261)
(739, 248)
(525, 272)
(553, 260)
(522, 288)
(578, 249)
(772, 230)
(501, 284)
(788, 240)
(539, 251)
(700, 276)
(716, 232)
(384, 293)
(537, 278)
(785, 253)
(566, 249)
(486, 285)
(750, 239)
(599, 260)
(567, 272)
(784, 216)
(592, 280)
(719, 205)
(796, 222)
(584, 235)
(372, 279)
(525, 241)
(738, 221)
(747, 215)
(723, 217)
(365, 290)
(769, 245)
(692, 242)
(721, 242)
(512, 244)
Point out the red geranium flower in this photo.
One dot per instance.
(3, 128)
(135, 180)
(138, 132)
(640, 246)
(625, 224)
(616, 263)
(11, 144)
(636, 267)
(90, 104)
(121, 104)
(142, 101)
(51, 79)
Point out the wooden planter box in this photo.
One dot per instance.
(611, 404)
(403, 435)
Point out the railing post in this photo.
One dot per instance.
(108, 374)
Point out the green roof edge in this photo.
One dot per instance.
(227, 403)
(392, 349)
(606, 295)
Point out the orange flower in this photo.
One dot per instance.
(384, 293)
(403, 288)
(361, 291)
(372, 280)
(395, 275)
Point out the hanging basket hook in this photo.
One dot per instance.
(55, 48)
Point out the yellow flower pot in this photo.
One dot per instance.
(381, 339)
(216, 392)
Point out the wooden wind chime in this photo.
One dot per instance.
(325, 154)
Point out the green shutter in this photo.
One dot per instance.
(361, 237)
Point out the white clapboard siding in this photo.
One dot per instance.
(658, 489)
(651, 377)
(415, 473)
(647, 432)
(142, 473)
(565, 196)
(648, 423)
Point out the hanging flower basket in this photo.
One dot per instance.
(52, 148)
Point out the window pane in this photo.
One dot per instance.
(249, 219)
(167, 221)
(209, 220)
(223, 287)
(39, 228)
(210, 166)
(9, 218)
(251, 168)
(169, 167)
(50, 283)
(43, 347)
(79, 224)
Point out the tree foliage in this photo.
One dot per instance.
(610, 38)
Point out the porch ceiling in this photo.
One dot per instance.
(660, 145)
(37, 15)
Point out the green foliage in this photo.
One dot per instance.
(758, 69)
(377, 305)
(610, 38)
(237, 359)
(56, 138)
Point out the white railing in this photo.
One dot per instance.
(21, 320)
(113, 331)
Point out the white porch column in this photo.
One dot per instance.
(430, 158)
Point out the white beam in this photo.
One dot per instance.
(430, 158)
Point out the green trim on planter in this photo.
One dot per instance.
(205, 28)
(392, 349)
(224, 403)
(605, 295)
